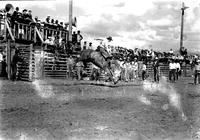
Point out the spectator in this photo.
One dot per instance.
(29, 15)
(52, 21)
(24, 14)
(1, 60)
(178, 69)
(74, 37)
(36, 19)
(4, 65)
(56, 23)
(197, 72)
(16, 58)
(185, 53)
(90, 46)
(79, 38)
(85, 45)
(171, 52)
(16, 13)
(65, 26)
(156, 70)
(1, 56)
(48, 19)
(182, 51)
(70, 63)
(61, 26)
(135, 68)
(172, 71)
(144, 69)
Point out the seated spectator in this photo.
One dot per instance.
(36, 19)
(25, 17)
(56, 22)
(52, 21)
(48, 19)
(24, 14)
(29, 15)
(16, 13)
(61, 26)
(58, 26)
(65, 26)
(171, 52)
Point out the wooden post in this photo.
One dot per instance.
(30, 63)
(66, 67)
(35, 34)
(18, 28)
(14, 30)
(8, 49)
(43, 61)
(46, 36)
(23, 31)
(26, 36)
(30, 31)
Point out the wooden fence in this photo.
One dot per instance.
(42, 64)
(26, 69)
(187, 70)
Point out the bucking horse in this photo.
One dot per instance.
(102, 59)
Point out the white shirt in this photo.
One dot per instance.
(172, 66)
(178, 66)
(171, 52)
(197, 67)
(135, 66)
(144, 67)
(79, 38)
(1, 57)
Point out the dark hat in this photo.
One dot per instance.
(24, 10)
(109, 38)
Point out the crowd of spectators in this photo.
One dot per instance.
(52, 32)
(134, 62)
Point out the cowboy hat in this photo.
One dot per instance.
(109, 38)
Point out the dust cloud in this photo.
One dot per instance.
(167, 89)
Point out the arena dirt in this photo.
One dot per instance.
(85, 110)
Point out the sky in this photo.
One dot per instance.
(131, 23)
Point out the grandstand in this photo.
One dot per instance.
(36, 42)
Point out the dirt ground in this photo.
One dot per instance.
(85, 110)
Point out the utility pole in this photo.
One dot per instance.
(182, 23)
(69, 39)
(70, 20)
